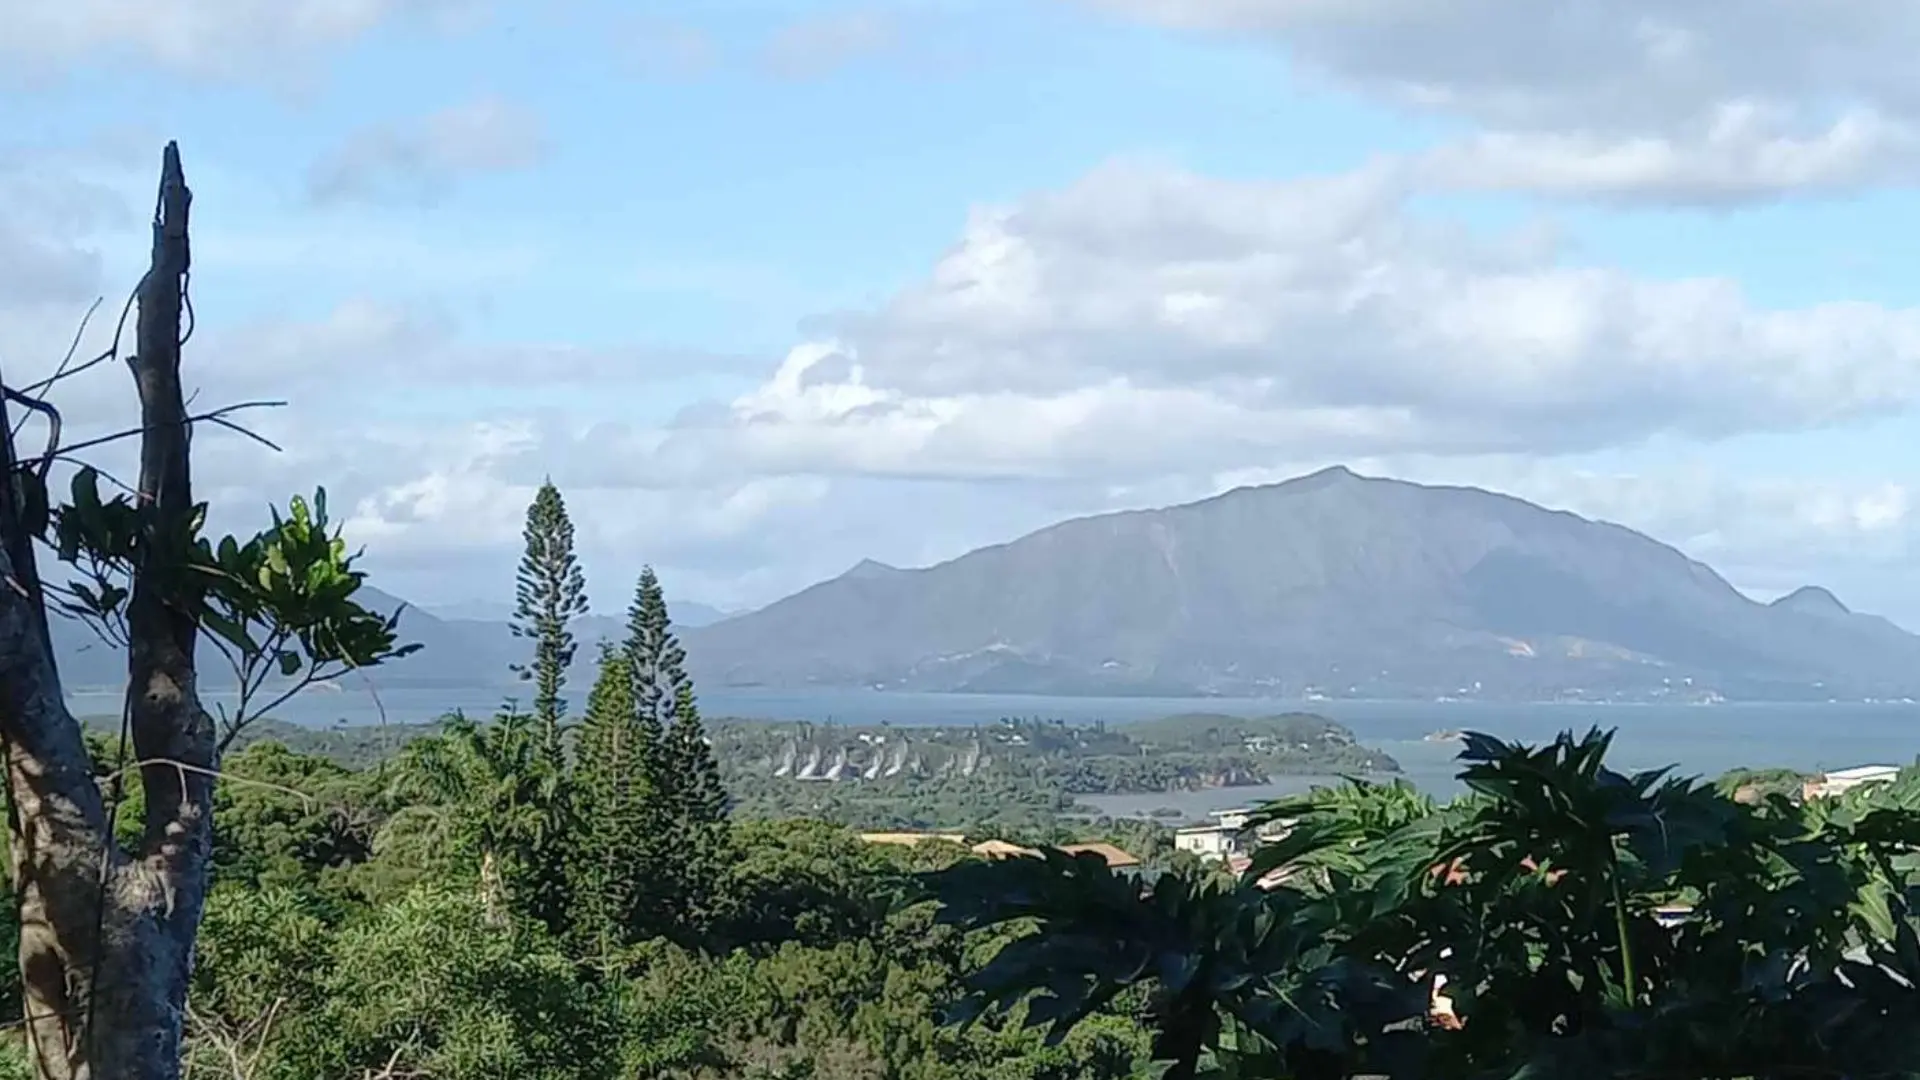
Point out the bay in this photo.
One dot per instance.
(1703, 740)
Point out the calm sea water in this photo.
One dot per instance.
(1704, 740)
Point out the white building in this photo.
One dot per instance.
(1212, 843)
(1844, 780)
(1228, 837)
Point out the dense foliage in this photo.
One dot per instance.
(356, 931)
(1563, 920)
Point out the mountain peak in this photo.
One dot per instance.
(1327, 477)
(1812, 600)
(868, 569)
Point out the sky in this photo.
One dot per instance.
(771, 286)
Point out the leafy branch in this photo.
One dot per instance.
(280, 605)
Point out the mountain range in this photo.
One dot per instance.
(456, 652)
(1333, 585)
(1329, 585)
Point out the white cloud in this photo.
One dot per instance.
(197, 37)
(1652, 99)
(1146, 318)
(1742, 152)
(423, 159)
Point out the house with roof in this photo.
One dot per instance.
(1230, 837)
(1116, 858)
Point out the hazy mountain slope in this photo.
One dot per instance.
(455, 653)
(684, 612)
(1330, 582)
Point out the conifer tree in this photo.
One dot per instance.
(686, 782)
(550, 592)
(700, 811)
(620, 826)
(657, 660)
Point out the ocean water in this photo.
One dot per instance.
(1702, 740)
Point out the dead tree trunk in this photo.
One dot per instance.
(107, 935)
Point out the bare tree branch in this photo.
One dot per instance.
(217, 416)
(112, 351)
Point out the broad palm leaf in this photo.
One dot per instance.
(1226, 967)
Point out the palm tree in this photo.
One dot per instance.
(1545, 898)
(1226, 969)
(487, 790)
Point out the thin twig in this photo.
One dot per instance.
(112, 350)
(254, 435)
(306, 800)
(72, 346)
(216, 416)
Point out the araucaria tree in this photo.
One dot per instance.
(619, 823)
(700, 806)
(108, 931)
(550, 592)
(681, 768)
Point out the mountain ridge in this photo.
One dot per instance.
(1331, 584)
(456, 653)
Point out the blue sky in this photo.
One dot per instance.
(1039, 257)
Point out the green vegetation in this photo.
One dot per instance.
(1750, 784)
(1561, 920)
(1026, 775)
(389, 918)
(387, 921)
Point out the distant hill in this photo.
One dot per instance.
(469, 652)
(1331, 584)
(685, 613)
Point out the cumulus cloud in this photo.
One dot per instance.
(1654, 99)
(1148, 318)
(1741, 152)
(423, 159)
(198, 37)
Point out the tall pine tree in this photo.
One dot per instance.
(700, 809)
(621, 824)
(686, 780)
(550, 592)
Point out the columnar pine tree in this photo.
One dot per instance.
(620, 825)
(656, 659)
(550, 592)
(686, 783)
(700, 810)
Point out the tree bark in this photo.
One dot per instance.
(493, 891)
(107, 936)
